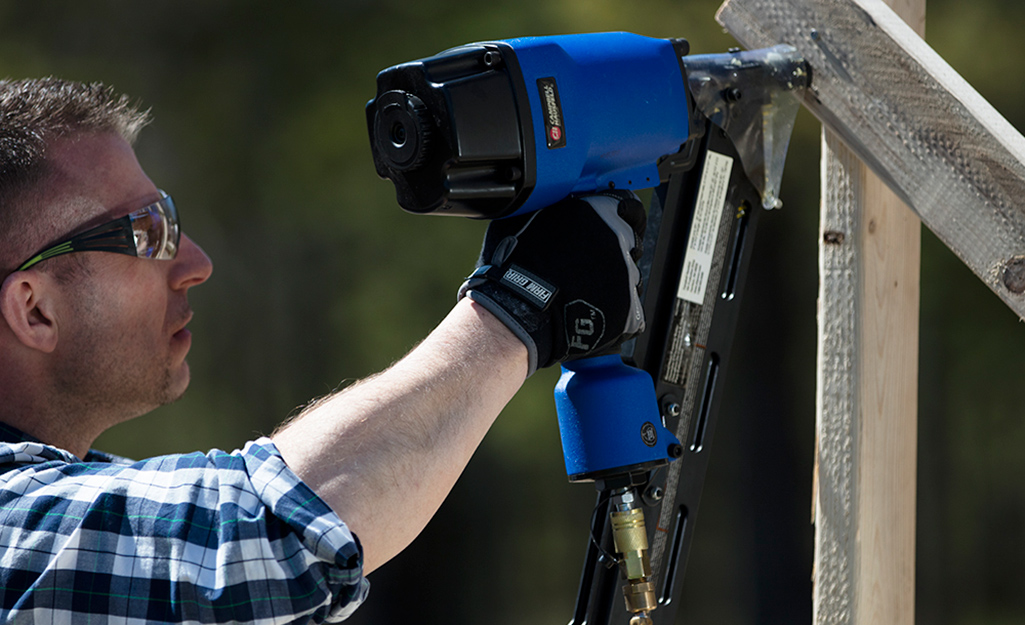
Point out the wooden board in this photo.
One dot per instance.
(866, 399)
(905, 112)
(866, 412)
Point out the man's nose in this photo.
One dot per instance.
(192, 266)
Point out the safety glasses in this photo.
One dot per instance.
(150, 232)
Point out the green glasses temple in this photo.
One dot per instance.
(150, 232)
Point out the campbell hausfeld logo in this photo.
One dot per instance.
(555, 130)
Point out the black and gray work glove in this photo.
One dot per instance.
(564, 279)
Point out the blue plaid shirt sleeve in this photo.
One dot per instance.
(196, 538)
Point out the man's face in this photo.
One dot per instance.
(122, 340)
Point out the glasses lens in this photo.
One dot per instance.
(156, 230)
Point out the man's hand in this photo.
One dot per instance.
(385, 452)
(564, 279)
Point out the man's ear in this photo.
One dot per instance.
(27, 304)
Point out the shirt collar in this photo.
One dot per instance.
(11, 434)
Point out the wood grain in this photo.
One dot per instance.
(866, 417)
(905, 112)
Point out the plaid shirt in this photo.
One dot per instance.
(192, 538)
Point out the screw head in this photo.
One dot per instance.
(1013, 275)
(491, 58)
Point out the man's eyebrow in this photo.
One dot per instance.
(110, 214)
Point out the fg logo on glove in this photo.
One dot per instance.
(585, 326)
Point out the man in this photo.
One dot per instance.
(94, 332)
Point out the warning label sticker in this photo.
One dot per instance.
(704, 228)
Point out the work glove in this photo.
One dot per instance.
(565, 279)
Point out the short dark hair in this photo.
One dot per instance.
(34, 113)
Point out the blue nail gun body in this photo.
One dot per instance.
(500, 128)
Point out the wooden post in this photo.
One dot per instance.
(866, 401)
(961, 166)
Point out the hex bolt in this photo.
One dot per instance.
(654, 493)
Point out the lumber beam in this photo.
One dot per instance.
(866, 398)
(866, 412)
(923, 129)
(867, 390)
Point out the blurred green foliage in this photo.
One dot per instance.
(319, 279)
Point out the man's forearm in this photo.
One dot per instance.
(385, 452)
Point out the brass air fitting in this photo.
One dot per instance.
(630, 538)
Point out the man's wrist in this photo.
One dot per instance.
(497, 337)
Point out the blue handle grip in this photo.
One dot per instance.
(609, 420)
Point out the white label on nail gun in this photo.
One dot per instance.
(704, 228)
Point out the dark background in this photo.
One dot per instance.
(320, 279)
